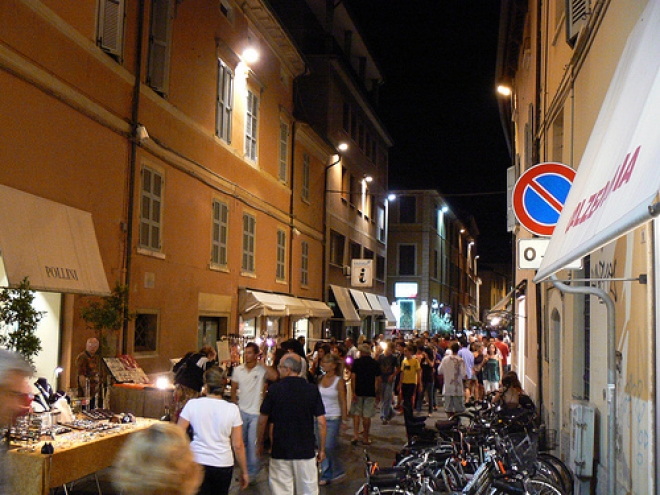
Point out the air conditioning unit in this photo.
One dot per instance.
(583, 419)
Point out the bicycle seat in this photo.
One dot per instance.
(388, 477)
(446, 424)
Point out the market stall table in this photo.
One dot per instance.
(146, 401)
(33, 473)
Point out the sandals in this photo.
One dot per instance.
(355, 441)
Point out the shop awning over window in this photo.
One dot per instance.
(317, 309)
(295, 307)
(51, 244)
(374, 302)
(389, 315)
(343, 298)
(252, 304)
(361, 303)
(619, 175)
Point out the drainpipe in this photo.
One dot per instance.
(131, 172)
(611, 372)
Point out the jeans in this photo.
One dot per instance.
(428, 390)
(250, 440)
(386, 411)
(331, 467)
(408, 393)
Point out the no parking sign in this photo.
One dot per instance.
(539, 196)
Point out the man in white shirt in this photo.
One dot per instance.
(248, 380)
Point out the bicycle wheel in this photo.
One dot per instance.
(538, 487)
(548, 472)
(564, 471)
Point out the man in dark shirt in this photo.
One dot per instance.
(365, 382)
(291, 405)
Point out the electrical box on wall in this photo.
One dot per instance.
(583, 419)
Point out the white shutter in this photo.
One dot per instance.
(576, 16)
(111, 26)
(284, 151)
(160, 45)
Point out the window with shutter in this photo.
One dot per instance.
(110, 35)
(304, 264)
(159, 45)
(284, 151)
(220, 233)
(249, 231)
(150, 209)
(305, 178)
(576, 16)
(251, 126)
(225, 100)
(281, 256)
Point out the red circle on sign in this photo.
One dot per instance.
(529, 180)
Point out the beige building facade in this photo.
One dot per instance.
(584, 85)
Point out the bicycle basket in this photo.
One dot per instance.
(524, 449)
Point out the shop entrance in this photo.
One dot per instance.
(210, 329)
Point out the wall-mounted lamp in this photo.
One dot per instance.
(504, 90)
(141, 133)
(444, 209)
(367, 178)
(343, 146)
(391, 197)
(250, 55)
(462, 231)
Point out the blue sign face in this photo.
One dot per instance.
(539, 196)
(537, 203)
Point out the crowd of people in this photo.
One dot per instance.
(295, 405)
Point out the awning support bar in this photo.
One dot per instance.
(642, 279)
(611, 372)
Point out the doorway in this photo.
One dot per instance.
(210, 329)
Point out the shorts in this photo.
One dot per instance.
(454, 403)
(364, 407)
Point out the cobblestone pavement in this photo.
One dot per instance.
(386, 441)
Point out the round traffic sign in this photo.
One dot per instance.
(539, 196)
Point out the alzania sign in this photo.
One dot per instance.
(588, 206)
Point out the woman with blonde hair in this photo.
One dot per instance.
(217, 429)
(333, 394)
(157, 461)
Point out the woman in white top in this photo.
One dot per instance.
(217, 428)
(333, 393)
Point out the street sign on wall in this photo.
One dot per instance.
(362, 273)
(531, 252)
(539, 196)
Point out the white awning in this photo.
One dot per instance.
(374, 303)
(502, 304)
(343, 298)
(619, 174)
(51, 244)
(361, 303)
(295, 307)
(389, 315)
(317, 309)
(252, 304)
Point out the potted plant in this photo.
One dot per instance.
(19, 320)
(106, 317)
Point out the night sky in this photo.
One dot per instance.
(439, 105)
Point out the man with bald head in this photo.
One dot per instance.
(292, 404)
